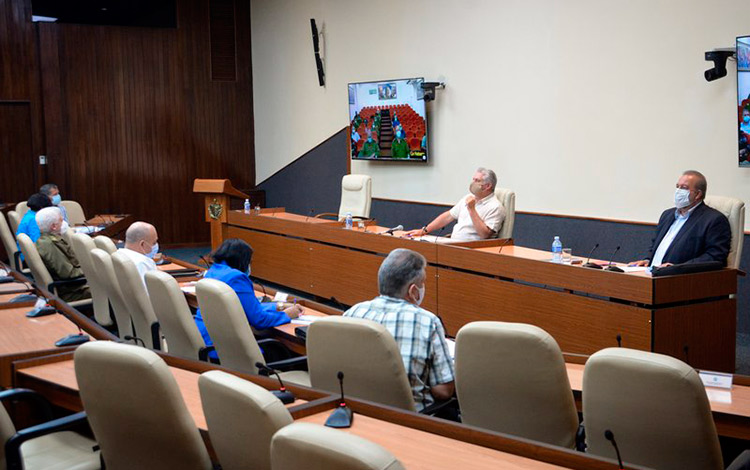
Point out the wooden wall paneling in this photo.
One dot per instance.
(16, 152)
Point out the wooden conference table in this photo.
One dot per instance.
(691, 317)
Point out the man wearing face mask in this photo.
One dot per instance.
(370, 149)
(58, 256)
(478, 215)
(53, 193)
(141, 245)
(691, 232)
(419, 333)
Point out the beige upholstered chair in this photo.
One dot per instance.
(22, 207)
(105, 243)
(497, 365)
(82, 247)
(356, 197)
(102, 262)
(175, 318)
(372, 366)
(242, 418)
(75, 212)
(656, 407)
(507, 198)
(56, 448)
(9, 242)
(230, 332)
(315, 447)
(136, 300)
(734, 209)
(42, 277)
(137, 414)
(14, 220)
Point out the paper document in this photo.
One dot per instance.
(305, 319)
(434, 239)
(87, 228)
(188, 289)
(280, 297)
(634, 269)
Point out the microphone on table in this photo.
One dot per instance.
(610, 436)
(72, 339)
(502, 245)
(391, 230)
(612, 267)
(619, 340)
(312, 211)
(588, 263)
(341, 416)
(265, 297)
(437, 237)
(282, 394)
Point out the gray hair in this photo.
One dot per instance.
(46, 217)
(400, 268)
(700, 181)
(489, 177)
(138, 231)
(47, 189)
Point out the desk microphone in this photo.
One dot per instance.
(282, 394)
(391, 230)
(609, 435)
(502, 245)
(437, 237)
(612, 267)
(265, 297)
(73, 339)
(134, 339)
(312, 211)
(341, 416)
(588, 263)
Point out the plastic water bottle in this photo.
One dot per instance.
(349, 221)
(257, 208)
(247, 206)
(556, 250)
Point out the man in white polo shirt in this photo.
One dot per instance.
(141, 245)
(478, 215)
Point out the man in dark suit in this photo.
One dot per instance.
(691, 232)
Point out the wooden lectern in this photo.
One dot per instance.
(217, 194)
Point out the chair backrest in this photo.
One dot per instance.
(82, 247)
(227, 326)
(356, 195)
(7, 430)
(41, 275)
(136, 300)
(9, 242)
(14, 220)
(509, 372)
(373, 367)
(75, 212)
(102, 262)
(105, 243)
(21, 208)
(175, 319)
(314, 447)
(656, 407)
(137, 414)
(242, 419)
(734, 209)
(507, 198)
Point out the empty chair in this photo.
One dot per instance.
(82, 246)
(734, 210)
(137, 414)
(75, 212)
(105, 243)
(356, 197)
(511, 378)
(21, 208)
(102, 262)
(372, 366)
(136, 300)
(242, 419)
(507, 198)
(14, 220)
(9, 242)
(315, 447)
(231, 333)
(175, 318)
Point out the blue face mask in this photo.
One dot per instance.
(154, 250)
(56, 199)
(746, 119)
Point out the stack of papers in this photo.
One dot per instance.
(305, 319)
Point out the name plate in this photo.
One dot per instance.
(716, 379)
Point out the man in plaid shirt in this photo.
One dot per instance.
(419, 333)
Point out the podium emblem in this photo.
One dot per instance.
(215, 209)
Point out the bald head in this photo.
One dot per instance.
(141, 237)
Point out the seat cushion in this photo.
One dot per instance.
(60, 451)
(297, 377)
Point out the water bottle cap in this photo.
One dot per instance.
(557, 238)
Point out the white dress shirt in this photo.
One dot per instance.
(490, 211)
(142, 262)
(674, 229)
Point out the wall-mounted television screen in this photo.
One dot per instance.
(387, 121)
(743, 98)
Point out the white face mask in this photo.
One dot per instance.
(420, 297)
(681, 198)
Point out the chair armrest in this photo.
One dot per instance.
(155, 336)
(742, 462)
(28, 395)
(438, 406)
(204, 352)
(295, 363)
(327, 215)
(17, 261)
(66, 282)
(13, 457)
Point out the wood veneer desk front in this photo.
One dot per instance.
(691, 317)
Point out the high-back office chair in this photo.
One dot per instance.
(136, 300)
(102, 262)
(314, 447)
(9, 242)
(242, 419)
(734, 209)
(105, 243)
(137, 414)
(14, 220)
(511, 378)
(372, 365)
(75, 212)
(175, 318)
(656, 407)
(21, 208)
(356, 197)
(231, 333)
(52, 447)
(507, 198)
(82, 247)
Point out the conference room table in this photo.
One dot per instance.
(691, 317)
(110, 225)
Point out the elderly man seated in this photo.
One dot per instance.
(58, 256)
(141, 245)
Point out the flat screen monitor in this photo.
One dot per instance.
(743, 99)
(387, 121)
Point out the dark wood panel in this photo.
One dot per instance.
(17, 174)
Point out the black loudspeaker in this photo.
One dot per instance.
(316, 49)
